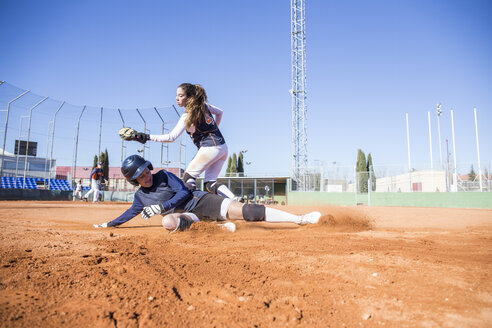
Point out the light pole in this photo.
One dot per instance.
(439, 112)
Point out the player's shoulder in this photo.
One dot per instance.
(214, 109)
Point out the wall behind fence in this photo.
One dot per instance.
(417, 199)
(34, 194)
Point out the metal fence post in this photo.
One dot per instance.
(53, 139)
(6, 127)
(180, 145)
(100, 130)
(122, 141)
(28, 136)
(162, 144)
(76, 145)
(145, 131)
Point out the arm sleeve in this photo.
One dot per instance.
(174, 134)
(129, 214)
(181, 193)
(217, 112)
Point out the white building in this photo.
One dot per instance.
(424, 181)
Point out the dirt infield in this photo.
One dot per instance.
(360, 266)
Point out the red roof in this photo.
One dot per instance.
(84, 172)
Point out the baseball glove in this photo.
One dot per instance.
(130, 134)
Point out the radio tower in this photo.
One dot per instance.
(299, 120)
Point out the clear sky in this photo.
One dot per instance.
(368, 63)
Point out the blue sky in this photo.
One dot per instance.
(368, 63)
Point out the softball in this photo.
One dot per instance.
(229, 226)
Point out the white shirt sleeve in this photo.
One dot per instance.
(217, 112)
(174, 134)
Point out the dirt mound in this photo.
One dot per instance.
(344, 222)
(206, 227)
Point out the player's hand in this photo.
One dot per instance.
(102, 225)
(141, 137)
(152, 210)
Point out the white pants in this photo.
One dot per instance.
(210, 160)
(77, 194)
(95, 188)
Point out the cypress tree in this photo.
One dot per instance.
(240, 165)
(94, 164)
(105, 165)
(361, 169)
(472, 175)
(234, 164)
(228, 170)
(370, 169)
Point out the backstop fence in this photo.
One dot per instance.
(39, 133)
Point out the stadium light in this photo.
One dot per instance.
(439, 113)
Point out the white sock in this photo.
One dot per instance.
(224, 208)
(225, 192)
(274, 215)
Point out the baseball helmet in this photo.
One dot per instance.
(133, 166)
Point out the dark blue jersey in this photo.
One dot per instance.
(97, 173)
(207, 133)
(168, 190)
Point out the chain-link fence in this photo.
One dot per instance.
(39, 134)
(337, 178)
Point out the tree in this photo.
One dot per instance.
(234, 164)
(94, 164)
(361, 170)
(228, 170)
(370, 169)
(472, 175)
(104, 158)
(105, 166)
(240, 164)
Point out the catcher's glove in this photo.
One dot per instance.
(130, 134)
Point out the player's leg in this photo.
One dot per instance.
(197, 165)
(87, 194)
(219, 208)
(96, 188)
(179, 221)
(212, 171)
(256, 212)
(212, 207)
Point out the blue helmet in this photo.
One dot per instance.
(133, 166)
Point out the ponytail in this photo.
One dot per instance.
(196, 105)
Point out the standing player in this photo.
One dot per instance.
(164, 193)
(96, 174)
(78, 190)
(198, 121)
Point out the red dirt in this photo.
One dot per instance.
(360, 266)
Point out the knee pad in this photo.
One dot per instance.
(253, 212)
(189, 181)
(184, 222)
(212, 186)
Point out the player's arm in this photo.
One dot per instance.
(217, 112)
(174, 134)
(129, 214)
(94, 171)
(181, 195)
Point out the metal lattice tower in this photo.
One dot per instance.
(299, 119)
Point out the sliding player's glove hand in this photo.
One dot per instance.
(102, 225)
(152, 210)
(130, 134)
